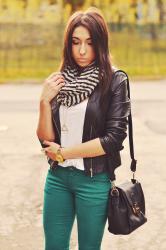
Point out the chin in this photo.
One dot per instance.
(83, 64)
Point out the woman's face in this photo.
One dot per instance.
(82, 47)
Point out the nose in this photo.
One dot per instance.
(82, 49)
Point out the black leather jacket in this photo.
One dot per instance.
(108, 124)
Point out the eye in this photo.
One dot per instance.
(75, 42)
(90, 42)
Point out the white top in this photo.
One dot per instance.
(72, 120)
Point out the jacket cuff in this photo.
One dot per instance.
(51, 162)
(109, 146)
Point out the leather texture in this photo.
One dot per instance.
(109, 124)
(126, 208)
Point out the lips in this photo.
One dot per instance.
(82, 60)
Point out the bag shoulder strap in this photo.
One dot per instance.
(130, 129)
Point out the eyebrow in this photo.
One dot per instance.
(89, 38)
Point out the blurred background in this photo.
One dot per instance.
(31, 35)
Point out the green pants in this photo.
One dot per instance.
(68, 193)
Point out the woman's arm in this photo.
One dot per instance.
(87, 149)
(117, 116)
(45, 130)
(51, 88)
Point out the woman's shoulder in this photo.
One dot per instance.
(119, 76)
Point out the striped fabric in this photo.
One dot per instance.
(78, 85)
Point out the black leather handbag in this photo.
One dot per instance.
(126, 203)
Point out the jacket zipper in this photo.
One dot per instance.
(91, 169)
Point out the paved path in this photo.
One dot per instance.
(23, 169)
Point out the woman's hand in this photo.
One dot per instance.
(51, 150)
(52, 86)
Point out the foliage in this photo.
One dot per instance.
(133, 11)
(34, 51)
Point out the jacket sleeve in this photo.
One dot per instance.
(116, 118)
(41, 142)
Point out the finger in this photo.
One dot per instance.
(57, 77)
(49, 152)
(59, 83)
(54, 75)
(51, 155)
(46, 150)
(54, 81)
(47, 143)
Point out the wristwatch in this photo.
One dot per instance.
(59, 156)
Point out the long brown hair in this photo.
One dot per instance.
(93, 20)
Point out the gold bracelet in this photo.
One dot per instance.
(59, 156)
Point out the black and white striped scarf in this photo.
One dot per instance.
(78, 85)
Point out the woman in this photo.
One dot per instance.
(82, 124)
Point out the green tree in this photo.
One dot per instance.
(160, 5)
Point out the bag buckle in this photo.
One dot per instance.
(136, 208)
(114, 190)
